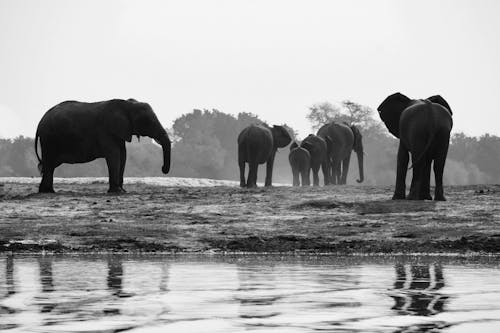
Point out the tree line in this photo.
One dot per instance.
(204, 146)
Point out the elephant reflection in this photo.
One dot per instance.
(415, 290)
(257, 293)
(9, 276)
(9, 286)
(47, 283)
(115, 276)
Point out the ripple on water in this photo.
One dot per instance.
(110, 293)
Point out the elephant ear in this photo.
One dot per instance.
(281, 137)
(441, 101)
(358, 143)
(117, 119)
(390, 111)
(293, 145)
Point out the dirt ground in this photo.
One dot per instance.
(337, 219)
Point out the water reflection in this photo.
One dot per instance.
(9, 276)
(113, 293)
(47, 283)
(115, 276)
(7, 289)
(416, 289)
(256, 293)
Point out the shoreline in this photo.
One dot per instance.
(336, 220)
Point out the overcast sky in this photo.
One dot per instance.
(271, 58)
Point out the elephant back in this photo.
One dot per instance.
(256, 142)
(316, 146)
(300, 158)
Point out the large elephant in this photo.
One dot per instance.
(257, 144)
(341, 139)
(423, 128)
(300, 161)
(77, 132)
(318, 151)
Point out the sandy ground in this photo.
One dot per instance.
(152, 216)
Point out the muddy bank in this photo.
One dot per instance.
(81, 217)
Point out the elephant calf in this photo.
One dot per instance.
(423, 128)
(317, 148)
(257, 144)
(300, 161)
(76, 132)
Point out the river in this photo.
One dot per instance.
(236, 293)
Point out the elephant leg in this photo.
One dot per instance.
(335, 172)
(252, 174)
(402, 168)
(324, 168)
(439, 163)
(47, 183)
(417, 180)
(295, 173)
(269, 170)
(305, 177)
(123, 160)
(241, 164)
(113, 162)
(345, 169)
(315, 171)
(338, 173)
(425, 193)
(326, 172)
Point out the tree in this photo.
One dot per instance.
(322, 113)
(349, 112)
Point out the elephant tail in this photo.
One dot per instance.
(36, 152)
(432, 131)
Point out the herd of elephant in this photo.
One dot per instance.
(330, 149)
(77, 132)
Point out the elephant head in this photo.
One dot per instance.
(130, 117)
(358, 148)
(441, 101)
(390, 111)
(281, 137)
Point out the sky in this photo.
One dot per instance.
(273, 58)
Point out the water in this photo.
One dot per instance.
(112, 293)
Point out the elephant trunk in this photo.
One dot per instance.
(166, 147)
(360, 163)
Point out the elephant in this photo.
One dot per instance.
(341, 139)
(79, 132)
(423, 128)
(300, 161)
(257, 144)
(318, 150)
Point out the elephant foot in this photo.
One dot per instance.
(116, 190)
(398, 196)
(440, 198)
(426, 197)
(242, 184)
(122, 189)
(46, 190)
